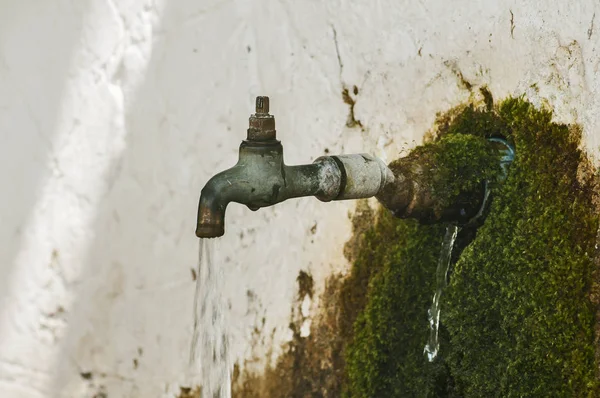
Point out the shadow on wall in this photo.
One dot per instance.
(36, 49)
(137, 287)
(30, 36)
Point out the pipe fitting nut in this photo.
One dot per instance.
(330, 178)
(363, 176)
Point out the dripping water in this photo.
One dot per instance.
(210, 345)
(441, 280)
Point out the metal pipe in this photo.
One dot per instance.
(260, 179)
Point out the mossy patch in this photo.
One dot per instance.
(458, 163)
(516, 319)
(518, 309)
(385, 357)
(448, 176)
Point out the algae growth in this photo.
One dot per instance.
(385, 356)
(519, 315)
(449, 177)
(517, 318)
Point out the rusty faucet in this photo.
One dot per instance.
(261, 178)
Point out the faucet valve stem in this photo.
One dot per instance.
(262, 125)
(262, 105)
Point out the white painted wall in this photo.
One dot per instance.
(114, 113)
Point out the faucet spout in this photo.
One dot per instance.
(211, 209)
(261, 179)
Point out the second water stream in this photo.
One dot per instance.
(441, 280)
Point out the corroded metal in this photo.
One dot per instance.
(261, 178)
(411, 194)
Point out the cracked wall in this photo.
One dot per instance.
(115, 113)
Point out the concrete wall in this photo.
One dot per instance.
(113, 114)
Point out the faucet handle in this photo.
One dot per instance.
(261, 124)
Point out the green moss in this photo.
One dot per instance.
(386, 358)
(518, 312)
(456, 166)
(516, 319)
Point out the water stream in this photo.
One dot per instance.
(209, 352)
(441, 280)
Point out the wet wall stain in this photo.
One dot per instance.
(186, 392)
(309, 366)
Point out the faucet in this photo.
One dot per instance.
(261, 178)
